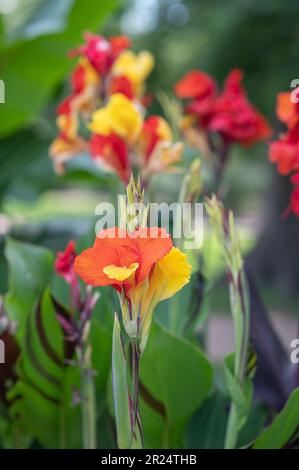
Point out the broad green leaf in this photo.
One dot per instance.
(29, 271)
(284, 427)
(206, 429)
(41, 397)
(255, 424)
(176, 378)
(120, 390)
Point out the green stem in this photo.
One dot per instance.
(137, 428)
(232, 428)
(88, 405)
(240, 313)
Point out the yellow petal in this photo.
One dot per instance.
(120, 116)
(136, 67)
(120, 273)
(171, 273)
(126, 119)
(101, 122)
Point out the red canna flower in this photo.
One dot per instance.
(229, 114)
(234, 117)
(65, 261)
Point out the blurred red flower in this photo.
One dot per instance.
(65, 261)
(229, 113)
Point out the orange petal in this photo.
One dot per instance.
(153, 244)
(90, 263)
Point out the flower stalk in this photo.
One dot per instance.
(77, 328)
(238, 380)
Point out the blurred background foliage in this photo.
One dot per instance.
(262, 38)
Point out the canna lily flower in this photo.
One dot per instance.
(230, 114)
(143, 266)
(64, 262)
(135, 67)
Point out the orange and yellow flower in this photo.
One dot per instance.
(107, 91)
(143, 266)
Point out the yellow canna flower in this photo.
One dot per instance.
(135, 67)
(120, 116)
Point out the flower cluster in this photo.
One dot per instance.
(284, 152)
(108, 93)
(228, 113)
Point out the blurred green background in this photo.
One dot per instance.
(261, 37)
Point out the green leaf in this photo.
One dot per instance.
(100, 339)
(120, 390)
(29, 271)
(206, 429)
(176, 378)
(284, 427)
(241, 397)
(41, 397)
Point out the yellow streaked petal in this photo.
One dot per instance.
(120, 273)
